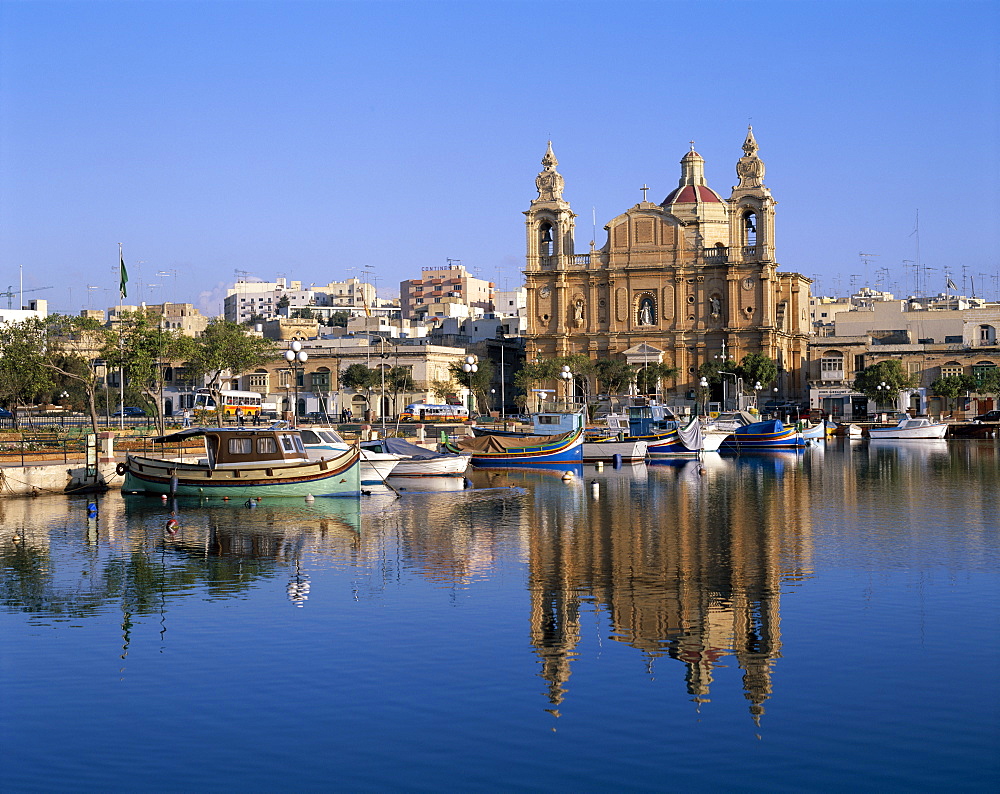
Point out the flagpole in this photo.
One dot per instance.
(121, 369)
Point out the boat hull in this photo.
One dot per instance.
(628, 451)
(763, 435)
(566, 451)
(339, 476)
(927, 432)
(450, 466)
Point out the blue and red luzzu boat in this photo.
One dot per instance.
(771, 434)
(504, 452)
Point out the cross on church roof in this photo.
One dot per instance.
(644, 188)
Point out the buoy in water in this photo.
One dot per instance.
(163, 497)
(310, 497)
(225, 498)
(595, 488)
(567, 476)
(172, 525)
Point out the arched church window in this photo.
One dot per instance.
(750, 227)
(546, 242)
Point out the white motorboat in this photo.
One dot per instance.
(324, 442)
(416, 461)
(910, 427)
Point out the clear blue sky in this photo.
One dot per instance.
(309, 138)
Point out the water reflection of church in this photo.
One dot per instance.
(690, 573)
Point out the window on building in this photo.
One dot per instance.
(832, 365)
(987, 335)
(951, 369)
(321, 380)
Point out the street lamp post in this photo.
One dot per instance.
(703, 386)
(566, 376)
(756, 404)
(469, 368)
(297, 358)
(883, 394)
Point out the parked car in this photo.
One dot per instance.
(129, 411)
(989, 416)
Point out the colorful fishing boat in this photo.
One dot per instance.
(243, 462)
(540, 452)
(770, 434)
(601, 443)
(663, 433)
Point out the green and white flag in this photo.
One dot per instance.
(124, 275)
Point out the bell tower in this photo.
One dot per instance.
(550, 221)
(751, 233)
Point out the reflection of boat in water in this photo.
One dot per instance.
(910, 428)
(280, 518)
(921, 453)
(243, 462)
(428, 484)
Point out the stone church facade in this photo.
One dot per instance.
(679, 282)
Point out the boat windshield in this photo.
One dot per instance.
(331, 437)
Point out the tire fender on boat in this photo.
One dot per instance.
(120, 469)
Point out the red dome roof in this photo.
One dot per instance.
(690, 194)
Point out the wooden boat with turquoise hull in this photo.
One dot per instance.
(243, 462)
(504, 452)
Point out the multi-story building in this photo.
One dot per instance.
(266, 300)
(678, 282)
(932, 338)
(445, 292)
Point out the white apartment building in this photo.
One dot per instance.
(266, 299)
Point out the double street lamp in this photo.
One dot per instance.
(883, 390)
(566, 375)
(470, 367)
(296, 358)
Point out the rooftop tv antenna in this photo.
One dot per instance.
(866, 261)
(9, 294)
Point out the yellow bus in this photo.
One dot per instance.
(249, 401)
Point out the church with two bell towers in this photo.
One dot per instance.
(681, 282)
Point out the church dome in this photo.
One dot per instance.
(691, 194)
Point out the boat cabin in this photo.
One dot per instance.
(242, 446)
(649, 419)
(552, 423)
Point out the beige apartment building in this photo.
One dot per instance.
(445, 292)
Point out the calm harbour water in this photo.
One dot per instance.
(819, 620)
